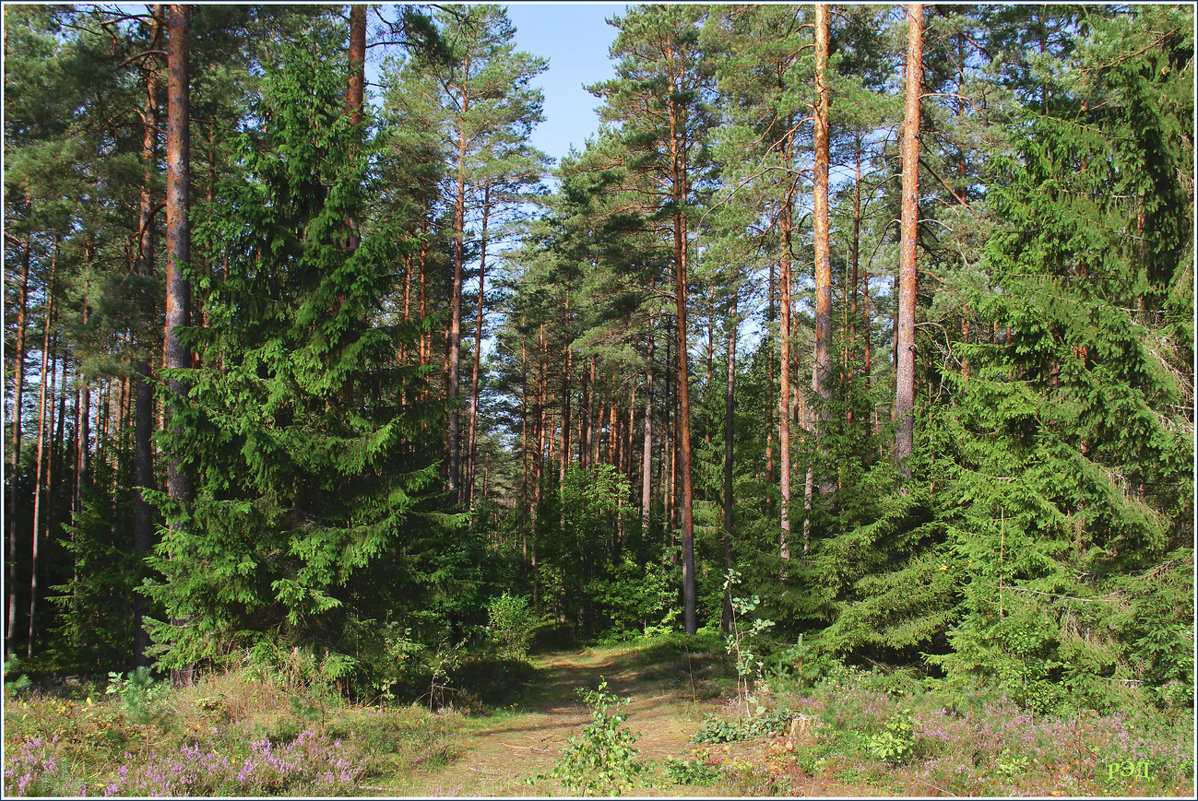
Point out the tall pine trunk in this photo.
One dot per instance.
(904, 401)
(822, 369)
(678, 146)
(15, 453)
(821, 372)
(647, 434)
(41, 447)
(472, 441)
(564, 452)
(178, 246)
(143, 398)
(729, 436)
(355, 92)
(855, 259)
(784, 334)
(454, 356)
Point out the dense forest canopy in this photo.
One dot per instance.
(880, 315)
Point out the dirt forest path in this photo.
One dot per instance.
(498, 753)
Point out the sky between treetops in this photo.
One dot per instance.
(575, 38)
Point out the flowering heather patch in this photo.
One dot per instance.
(35, 771)
(310, 762)
(1001, 749)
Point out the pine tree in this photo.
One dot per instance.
(659, 97)
(904, 401)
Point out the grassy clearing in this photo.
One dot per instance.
(866, 734)
(225, 735)
(870, 735)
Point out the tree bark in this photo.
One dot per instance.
(471, 440)
(83, 417)
(784, 283)
(586, 415)
(524, 412)
(454, 355)
(647, 435)
(19, 365)
(41, 446)
(55, 471)
(143, 400)
(822, 368)
(15, 455)
(178, 244)
(821, 372)
(564, 453)
(855, 259)
(904, 402)
(678, 146)
(355, 93)
(729, 437)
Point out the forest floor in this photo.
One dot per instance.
(869, 734)
(673, 694)
(497, 754)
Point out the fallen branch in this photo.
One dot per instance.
(525, 747)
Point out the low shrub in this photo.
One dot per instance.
(511, 624)
(602, 760)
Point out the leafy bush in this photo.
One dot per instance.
(603, 759)
(722, 730)
(511, 624)
(690, 771)
(894, 743)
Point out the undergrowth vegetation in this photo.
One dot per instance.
(795, 726)
(235, 733)
(889, 733)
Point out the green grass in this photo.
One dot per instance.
(225, 735)
(231, 734)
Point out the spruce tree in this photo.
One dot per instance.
(305, 441)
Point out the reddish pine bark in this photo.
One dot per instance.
(41, 448)
(904, 402)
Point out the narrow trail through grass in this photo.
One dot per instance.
(495, 755)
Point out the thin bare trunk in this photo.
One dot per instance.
(41, 447)
(454, 355)
(784, 282)
(564, 452)
(626, 460)
(19, 364)
(647, 435)
(586, 415)
(769, 373)
(855, 257)
(143, 464)
(54, 473)
(15, 453)
(425, 344)
(82, 457)
(729, 437)
(524, 412)
(612, 439)
(471, 440)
